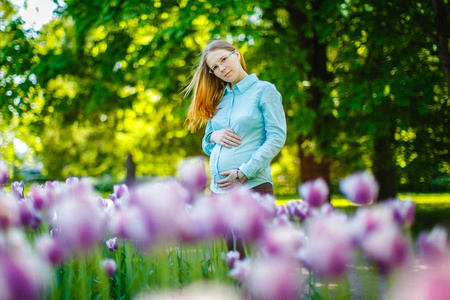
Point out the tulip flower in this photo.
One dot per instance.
(120, 191)
(108, 266)
(4, 177)
(432, 283)
(360, 188)
(193, 174)
(314, 192)
(241, 270)
(9, 211)
(433, 246)
(404, 211)
(330, 248)
(79, 218)
(387, 248)
(369, 219)
(112, 244)
(17, 189)
(274, 279)
(298, 209)
(51, 250)
(283, 241)
(232, 257)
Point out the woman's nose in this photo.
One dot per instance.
(221, 68)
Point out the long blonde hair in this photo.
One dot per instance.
(208, 88)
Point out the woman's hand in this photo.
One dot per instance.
(225, 137)
(234, 178)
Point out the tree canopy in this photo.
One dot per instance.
(364, 84)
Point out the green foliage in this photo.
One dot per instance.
(105, 79)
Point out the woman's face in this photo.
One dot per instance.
(225, 64)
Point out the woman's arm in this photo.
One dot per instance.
(207, 144)
(275, 127)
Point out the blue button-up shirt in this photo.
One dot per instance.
(253, 109)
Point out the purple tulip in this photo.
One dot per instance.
(274, 279)
(241, 270)
(433, 245)
(232, 257)
(298, 209)
(9, 211)
(404, 211)
(193, 174)
(51, 250)
(112, 244)
(79, 218)
(23, 275)
(72, 180)
(246, 217)
(17, 189)
(387, 248)
(281, 210)
(108, 266)
(370, 219)
(283, 241)
(131, 224)
(329, 249)
(3, 172)
(360, 188)
(29, 217)
(120, 191)
(314, 192)
(432, 283)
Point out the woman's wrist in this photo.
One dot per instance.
(240, 176)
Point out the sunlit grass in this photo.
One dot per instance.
(340, 201)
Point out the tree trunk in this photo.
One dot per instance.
(131, 171)
(384, 164)
(442, 36)
(310, 168)
(311, 165)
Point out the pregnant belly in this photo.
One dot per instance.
(233, 158)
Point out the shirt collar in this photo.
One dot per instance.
(242, 85)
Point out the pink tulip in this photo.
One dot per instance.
(246, 217)
(193, 174)
(369, 219)
(9, 211)
(274, 279)
(232, 257)
(387, 248)
(298, 209)
(4, 177)
(79, 218)
(360, 188)
(120, 191)
(314, 192)
(108, 266)
(432, 283)
(17, 189)
(51, 250)
(404, 211)
(241, 270)
(433, 246)
(330, 248)
(112, 244)
(283, 241)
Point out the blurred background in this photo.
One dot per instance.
(94, 88)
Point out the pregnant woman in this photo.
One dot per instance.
(244, 116)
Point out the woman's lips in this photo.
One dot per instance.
(227, 74)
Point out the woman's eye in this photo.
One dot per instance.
(224, 59)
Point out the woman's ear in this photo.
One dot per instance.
(238, 54)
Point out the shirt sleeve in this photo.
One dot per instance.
(206, 143)
(275, 127)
